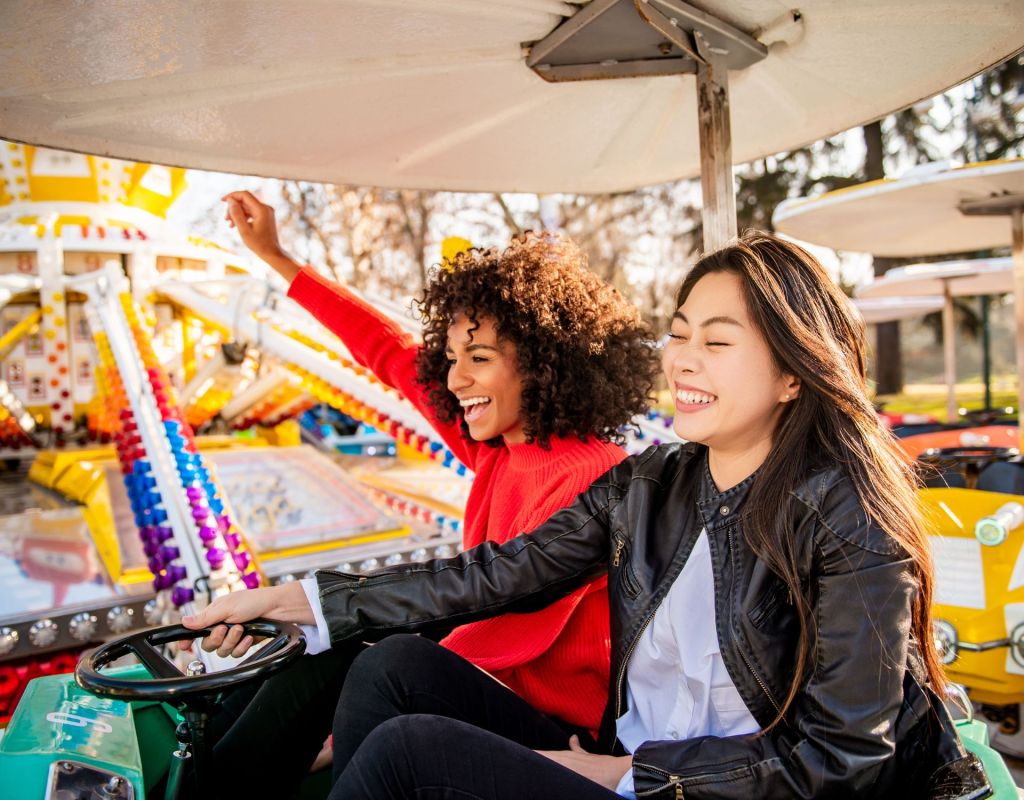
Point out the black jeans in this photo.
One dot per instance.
(416, 720)
(266, 735)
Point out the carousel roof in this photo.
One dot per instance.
(921, 213)
(437, 93)
(980, 276)
(888, 309)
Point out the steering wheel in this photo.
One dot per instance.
(987, 416)
(168, 684)
(972, 459)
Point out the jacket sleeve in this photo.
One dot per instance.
(839, 732)
(523, 574)
(379, 344)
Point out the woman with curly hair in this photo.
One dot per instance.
(529, 367)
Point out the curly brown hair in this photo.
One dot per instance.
(584, 353)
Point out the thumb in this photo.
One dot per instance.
(574, 744)
(197, 620)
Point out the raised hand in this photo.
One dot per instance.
(255, 223)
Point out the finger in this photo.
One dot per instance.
(230, 642)
(249, 203)
(574, 744)
(243, 647)
(216, 637)
(185, 645)
(238, 215)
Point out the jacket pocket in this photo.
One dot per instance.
(769, 604)
(622, 564)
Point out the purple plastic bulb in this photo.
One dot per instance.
(181, 595)
(163, 533)
(169, 552)
(176, 572)
(207, 534)
(162, 581)
(241, 561)
(200, 513)
(150, 549)
(194, 493)
(251, 580)
(224, 522)
(232, 540)
(155, 564)
(215, 557)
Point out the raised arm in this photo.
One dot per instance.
(374, 340)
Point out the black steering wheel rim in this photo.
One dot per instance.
(168, 684)
(968, 454)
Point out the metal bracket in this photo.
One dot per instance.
(639, 38)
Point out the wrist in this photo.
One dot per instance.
(291, 605)
(282, 263)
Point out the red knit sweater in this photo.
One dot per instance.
(558, 658)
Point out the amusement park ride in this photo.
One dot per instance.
(122, 338)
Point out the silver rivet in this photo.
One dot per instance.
(8, 640)
(82, 626)
(119, 618)
(724, 511)
(43, 633)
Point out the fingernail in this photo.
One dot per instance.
(187, 620)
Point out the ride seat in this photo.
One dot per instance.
(1006, 477)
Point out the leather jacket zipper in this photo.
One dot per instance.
(673, 780)
(743, 656)
(625, 662)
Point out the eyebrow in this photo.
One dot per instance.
(710, 320)
(472, 347)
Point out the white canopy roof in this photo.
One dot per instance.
(887, 309)
(965, 279)
(436, 94)
(916, 215)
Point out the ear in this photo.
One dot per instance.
(791, 388)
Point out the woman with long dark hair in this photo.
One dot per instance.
(770, 584)
(529, 367)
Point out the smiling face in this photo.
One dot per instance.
(728, 392)
(484, 375)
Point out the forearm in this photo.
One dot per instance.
(523, 574)
(283, 264)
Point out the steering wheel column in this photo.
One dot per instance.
(195, 692)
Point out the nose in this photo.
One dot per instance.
(458, 379)
(679, 358)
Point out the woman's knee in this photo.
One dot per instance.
(395, 654)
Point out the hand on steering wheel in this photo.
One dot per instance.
(168, 684)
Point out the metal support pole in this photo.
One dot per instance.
(949, 353)
(719, 212)
(1017, 227)
(986, 351)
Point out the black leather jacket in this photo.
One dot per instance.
(861, 725)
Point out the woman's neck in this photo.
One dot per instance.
(730, 467)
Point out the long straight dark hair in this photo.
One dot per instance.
(814, 334)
